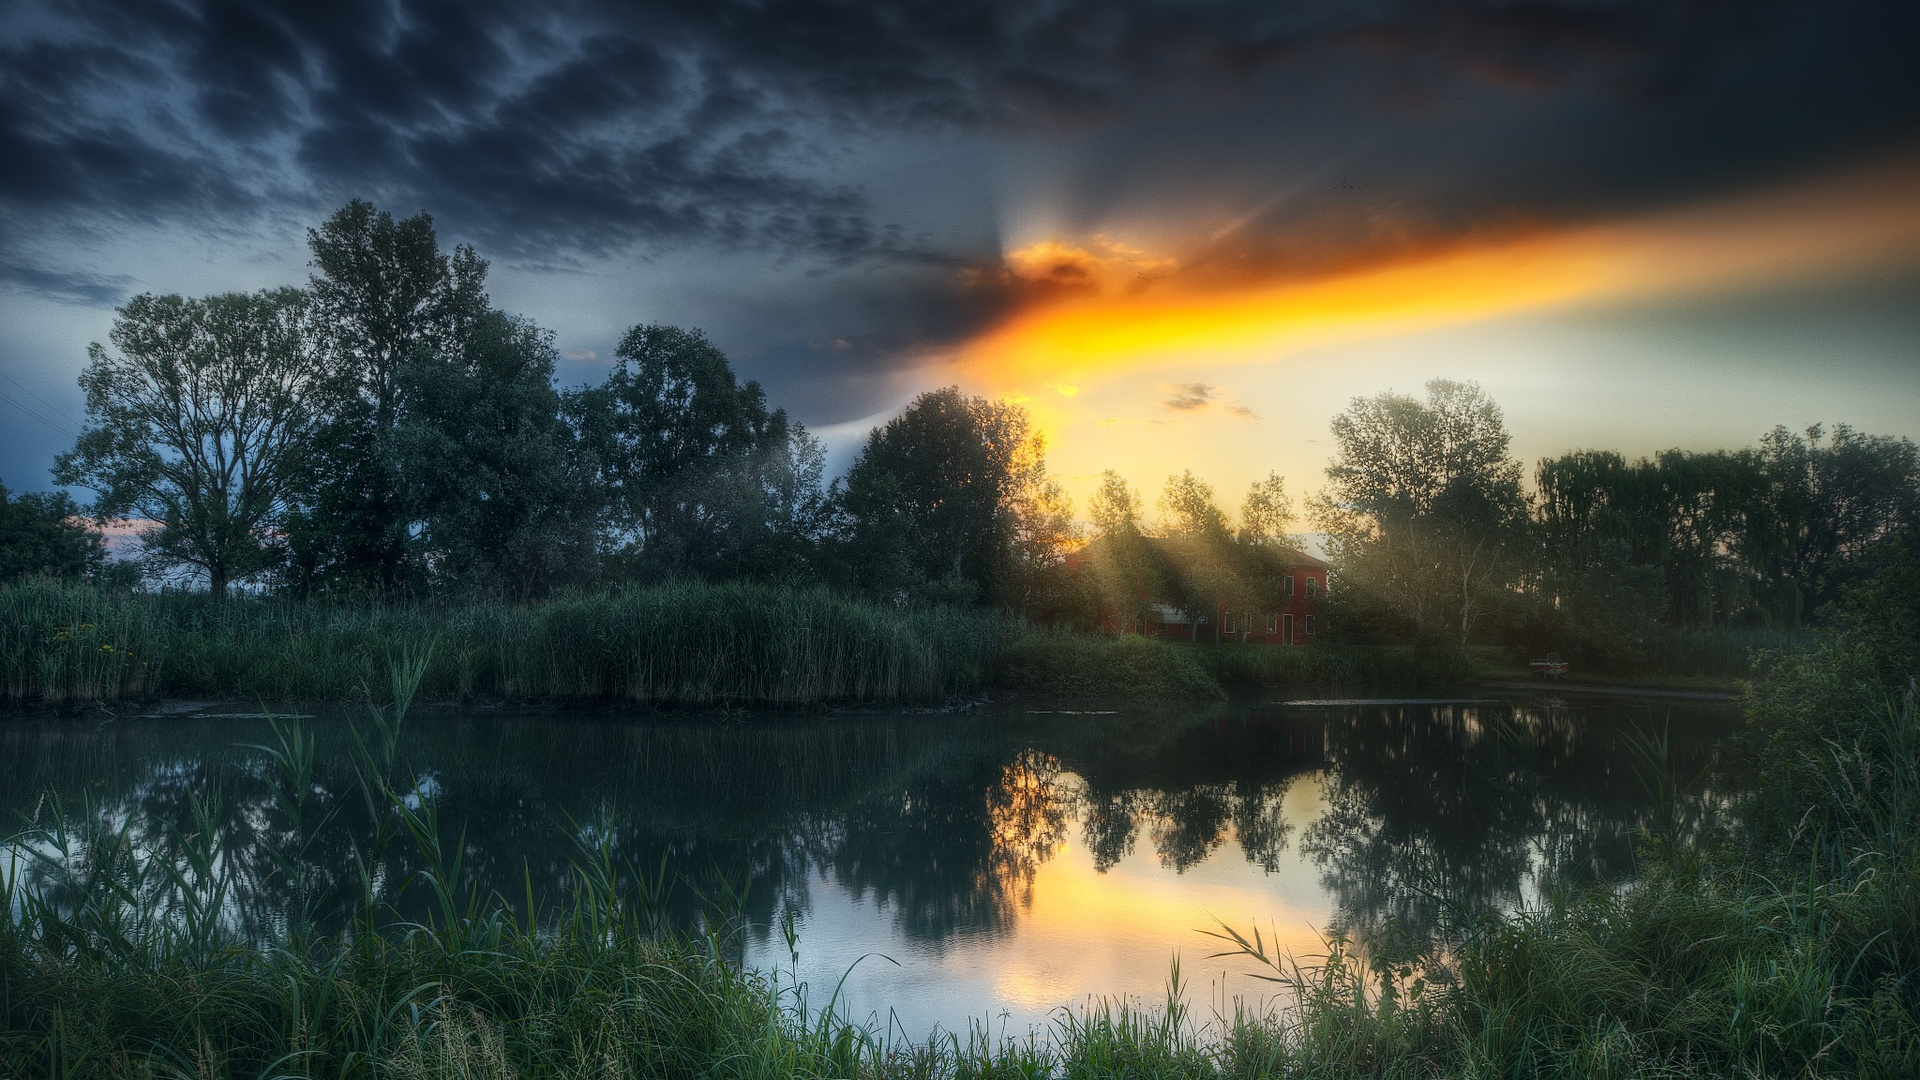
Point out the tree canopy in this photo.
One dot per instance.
(198, 423)
(43, 533)
(953, 493)
(1423, 508)
(385, 429)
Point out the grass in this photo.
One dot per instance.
(1327, 667)
(63, 644)
(1098, 667)
(1707, 657)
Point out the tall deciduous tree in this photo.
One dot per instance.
(1266, 512)
(1831, 499)
(198, 424)
(492, 495)
(1187, 508)
(953, 493)
(1423, 506)
(1114, 509)
(385, 295)
(695, 473)
(1120, 579)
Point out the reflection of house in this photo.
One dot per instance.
(1199, 590)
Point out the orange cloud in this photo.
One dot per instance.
(1104, 265)
(1123, 318)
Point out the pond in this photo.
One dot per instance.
(982, 867)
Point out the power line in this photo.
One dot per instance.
(56, 410)
(56, 428)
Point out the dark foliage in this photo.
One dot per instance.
(42, 533)
(693, 474)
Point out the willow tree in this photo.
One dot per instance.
(196, 423)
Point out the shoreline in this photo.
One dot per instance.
(1616, 691)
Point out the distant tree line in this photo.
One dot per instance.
(1195, 559)
(1434, 537)
(385, 430)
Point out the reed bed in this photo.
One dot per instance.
(694, 643)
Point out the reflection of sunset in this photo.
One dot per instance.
(1084, 927)
(1124, 319)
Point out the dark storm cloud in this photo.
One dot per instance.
(590, 126)
(552, 133)
(66, 286)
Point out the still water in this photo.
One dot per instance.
(950, 869)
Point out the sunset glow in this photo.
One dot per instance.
(1124, 321)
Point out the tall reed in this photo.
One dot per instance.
(687, 642)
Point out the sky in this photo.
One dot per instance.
(1183, 234)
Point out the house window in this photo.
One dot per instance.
(1313, 589)
(1311, 630)
(1289, 585)
(1273, 624)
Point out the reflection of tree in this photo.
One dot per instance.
(1436, 815)
(1429, 816)
(1187, 825)
(1431, 812)
(1108, 822)
(954, 852)
(1261, 824)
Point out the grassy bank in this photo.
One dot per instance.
(1670, 657)
(1328, 667)
(696, 643)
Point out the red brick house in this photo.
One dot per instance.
(1195, 590)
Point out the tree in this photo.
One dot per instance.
(1114, 508)
(1267, 512)
(1121, 569)
(1423, 508)
(1188, 508)
(490, 488)
(1598, 587)
(1828, 505)
(42, 533)
(1201, 562)
(198, 424)
(953, 493)
(386, 296)
(696, 474)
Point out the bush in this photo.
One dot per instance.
(1329, 667)
(1100, 668)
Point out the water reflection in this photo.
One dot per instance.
(942, 827)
